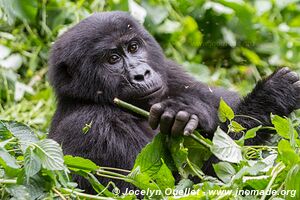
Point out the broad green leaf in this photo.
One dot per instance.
(292, 181)
(184, 184)
(32, 163)
(225, 148)
(50, 154)
(257, 182)
(149, 159)
(24, 134)
(224, 171)
(25, 9)
(9, 160)
(287, 153)
(169, 26)
(282, 126)
(197, 154)
(142, 180)
(150, 164)
(164, 178)
(78, 163)
(229, 36)
(19, 192)
(251, 133)
(225, 112)
(178, 152)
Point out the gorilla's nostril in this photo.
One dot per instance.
(139, 77)
(147, 74)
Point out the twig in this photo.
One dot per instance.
(8, 181)
(131, 107)
(275, 172)
(88, 196)
(59, 194)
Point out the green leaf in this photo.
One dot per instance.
(150, 164)
(178, 152)
(19, 192)
(32, 163)
(283, 126)
(184, 184)
(252, 56)
(257, 182)
(164, 177)
(236, 127)
(224, 171)
(50, 154)
(142, 180)
(169, 27)
(78, 163)
(24, 134)
(225, 112)
(252, 132)
(287, 153)
(25, 9)
(292, 181)
(225, 148)
(149, 159)
(9, 160)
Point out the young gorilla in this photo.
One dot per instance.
(110, 55)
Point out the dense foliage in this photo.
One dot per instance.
(223, 42)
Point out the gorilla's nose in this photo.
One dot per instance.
(142, 76)
(140, 73)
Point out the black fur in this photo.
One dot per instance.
(85, 84)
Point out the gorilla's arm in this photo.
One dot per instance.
(277, 94)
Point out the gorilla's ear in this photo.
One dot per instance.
(64, 70)
(60, 75)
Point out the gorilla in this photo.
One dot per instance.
(110, 55)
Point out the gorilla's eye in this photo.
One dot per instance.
(133, 47)
(114, 58)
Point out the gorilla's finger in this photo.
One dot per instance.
(155, 112)
(191, 125)
(297, 86)
(181, 120)
(166, 121)
(291, 77)
(282, 71)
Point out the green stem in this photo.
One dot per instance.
(197, 139)
(146, 114)
(275, 172)
(115, 169)
(133, 108)
(101, 171)
(8, 181)
(88, 196)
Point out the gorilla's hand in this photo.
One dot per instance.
(178, 115)
(284, 86)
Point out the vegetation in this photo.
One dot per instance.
(225, 43)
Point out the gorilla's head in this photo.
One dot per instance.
(108, 55)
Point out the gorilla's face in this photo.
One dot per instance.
(127, 59)
(108, 55)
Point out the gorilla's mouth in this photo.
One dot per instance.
(153, 93)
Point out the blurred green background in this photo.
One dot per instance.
(226, 43)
